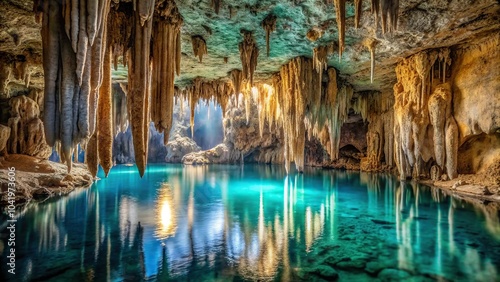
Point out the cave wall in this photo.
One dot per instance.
(476, 106)
(445, 114)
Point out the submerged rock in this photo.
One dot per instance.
(391, 274)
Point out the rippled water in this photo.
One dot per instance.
(220, 223)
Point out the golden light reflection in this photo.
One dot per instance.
(166, 220)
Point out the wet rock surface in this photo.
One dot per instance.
(39, 179)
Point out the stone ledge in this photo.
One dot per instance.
(40, 179)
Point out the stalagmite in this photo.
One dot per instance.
(199, 46)
(249, 54)
(340, 12)
(438, 106)
(371, 43)
(269, 25)
(166, 62)
(451, 147)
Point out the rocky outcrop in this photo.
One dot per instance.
(180, 143)
(36, 178)
(27, 135)
(4, 137)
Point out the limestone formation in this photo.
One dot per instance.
(269, 25)
(421, 102)
(199, 46)
(431, 126)
(249, 52)
(4, 138)
(371, 43)
(72, 39)
(139, 78)
(166, 60)
(26, 129)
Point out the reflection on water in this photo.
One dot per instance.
(166, 218)
(254, 223)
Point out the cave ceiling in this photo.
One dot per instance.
(421, 25)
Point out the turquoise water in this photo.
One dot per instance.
(220, 223)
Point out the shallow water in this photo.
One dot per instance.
(220, 223)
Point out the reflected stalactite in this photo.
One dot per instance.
(249, 227)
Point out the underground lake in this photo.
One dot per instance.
(255, 223)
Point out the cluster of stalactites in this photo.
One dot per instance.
(166, 61)
(218, 91)
(320, 60)
(423, 99)
(139, 79)
(199, 46)
(216, 5)
(74, 47)
(386, 10)
(269, 25)
(297, 104)
(249, 53)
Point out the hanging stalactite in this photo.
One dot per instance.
(166, 63)
(371, 43)
(216, 5)
(320, 59)
(236, 78)
(358, 10)
(269, 25)
(139, 80)
(340, 12)
(218, 91)
(72, 35)
(104, 117)
(199, 46)
(249, 53)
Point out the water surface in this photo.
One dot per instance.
(220, 223)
